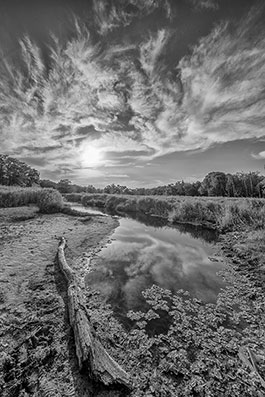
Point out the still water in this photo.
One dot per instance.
(81, 208)
(146, 251)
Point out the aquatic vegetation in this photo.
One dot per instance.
(199, 354)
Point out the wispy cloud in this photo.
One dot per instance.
(125, 96)
(224, 96)
(109, 16)
(204, 4)
(259, 156)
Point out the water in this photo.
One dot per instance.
(89, 210)
(146, 251)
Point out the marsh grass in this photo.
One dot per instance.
(48, 200)
(12, 196)
(220, 213)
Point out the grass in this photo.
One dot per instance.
(11, 196)
(18, 214)
(48, 200)
(220, 213)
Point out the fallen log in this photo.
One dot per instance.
(91, 355)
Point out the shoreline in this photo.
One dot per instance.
(36, 344)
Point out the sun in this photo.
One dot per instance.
(91, 156)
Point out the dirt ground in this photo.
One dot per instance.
(37, 356)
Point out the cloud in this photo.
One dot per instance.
(109, 16)
(224, 96)
(259, 156)
(116, 176)
(204, 4)
(126, 97)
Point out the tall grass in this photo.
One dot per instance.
(48, 200)
(217, 213)
(11, 196)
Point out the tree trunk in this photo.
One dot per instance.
(91, 355)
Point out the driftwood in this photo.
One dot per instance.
(250, 359)
(91, 355)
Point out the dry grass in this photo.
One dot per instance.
(216, 212)
(48, 200)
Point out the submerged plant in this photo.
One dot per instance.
(198, 354)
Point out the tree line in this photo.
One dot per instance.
(216, 183)
(241, 184)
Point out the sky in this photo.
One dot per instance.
(133, 92)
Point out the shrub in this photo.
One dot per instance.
(113, 201)
(94, 200)
(129, 205)
(145, 204)
(73, 197)
(49, 201)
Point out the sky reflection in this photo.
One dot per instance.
(140, 256)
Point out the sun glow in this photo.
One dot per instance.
(91, 156)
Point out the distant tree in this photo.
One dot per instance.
(247, 184)
(16, 172)
(230, 186)
(214, 184)
(47, 183)
(112, 189)
(179, 188)
(190, 189)
(252, 180)
(197, 186)
(65, 186)
(140, 191)
(261, 188)
(91, 189)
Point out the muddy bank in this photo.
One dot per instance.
(36, 343)
(245, 252)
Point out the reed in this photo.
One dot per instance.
(219, 213)
(48, 200)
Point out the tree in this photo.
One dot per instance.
(191, 189)
(91, 189)
(16, 172)
(261, 188)
(214, 184)
(47, 183)
(230, 186)
(64, 186)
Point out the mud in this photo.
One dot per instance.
(37, 356)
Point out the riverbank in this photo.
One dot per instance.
(245, 252)
(36, 343)
(218, 213)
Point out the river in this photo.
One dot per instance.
(146, 251)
